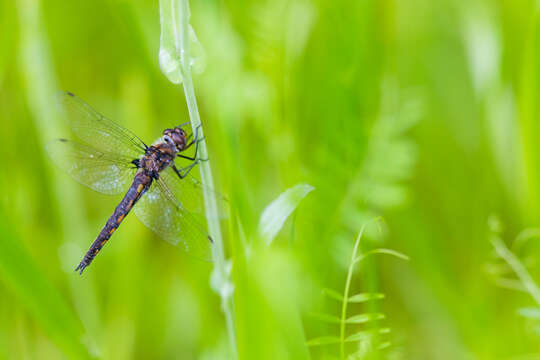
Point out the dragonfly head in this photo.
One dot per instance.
(176, 137)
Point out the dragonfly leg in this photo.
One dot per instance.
(185, 170)
(195, 138)
(195, 141)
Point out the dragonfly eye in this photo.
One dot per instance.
(168, 139)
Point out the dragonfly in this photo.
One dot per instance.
(111, 159)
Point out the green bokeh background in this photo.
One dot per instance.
(421, 112)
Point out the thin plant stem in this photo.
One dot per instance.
(210, 203)
(346, 295)
(518, 268)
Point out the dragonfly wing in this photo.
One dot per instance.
(101, 171)
(96, 130)
(190, 192)
(160, 211)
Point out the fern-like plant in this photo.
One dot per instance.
(508, 262)
(378, 183)
(366, 339)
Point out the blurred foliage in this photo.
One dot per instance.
(424, 113)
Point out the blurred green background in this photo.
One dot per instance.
(421, 112)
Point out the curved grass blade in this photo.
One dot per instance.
(381, 251)
(275, 214)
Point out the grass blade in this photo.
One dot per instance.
(275, 214)
(38, 295)
(382, 251)
(180, 30)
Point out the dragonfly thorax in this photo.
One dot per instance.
(157, 158)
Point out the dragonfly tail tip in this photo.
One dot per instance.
(80, 268)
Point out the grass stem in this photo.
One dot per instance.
(346, 295)
(210, 203)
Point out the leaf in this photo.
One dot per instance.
(361, 335)
(40, 298)
(530, 313)
(363, 297)
(172, 42)
(325, 317)
(382, 251)
(333, 294)
(362, 318)
(324, 340)
(275, 214)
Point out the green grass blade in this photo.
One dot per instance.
(275, 214)
(382, 251)
(175, 18)
(38, 295)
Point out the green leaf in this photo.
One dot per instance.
(174, 45)
(333, 294)
(275, 214)
(530, 313)
(362, 318)
(382, 251)
(363, 297)
(324, 340)
(325, 317)
(361, 335)
(40, 298)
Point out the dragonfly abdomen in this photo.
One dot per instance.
(140, 185)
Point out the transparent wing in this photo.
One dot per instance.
(96, 130)
(189, 191)
(101, 171)
(159, 210)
